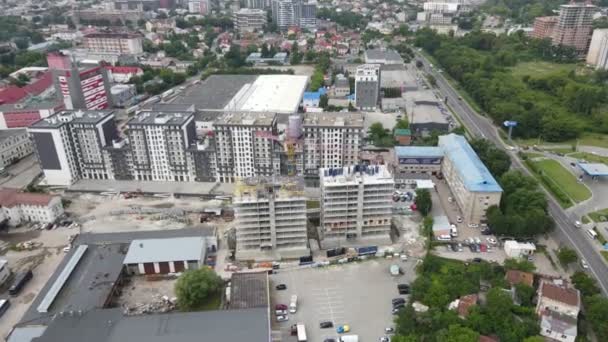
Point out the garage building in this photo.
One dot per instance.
(162, 256)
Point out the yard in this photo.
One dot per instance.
(540, 68)
(562, 179)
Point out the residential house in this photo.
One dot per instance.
(515, 277)
(558, 307)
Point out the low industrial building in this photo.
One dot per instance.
(514, 249)
(17, 207)
(162, 256)
(383, 56)
(417, 160)
(426, 117)
(279, 58)
(15, 144)
(441, 228)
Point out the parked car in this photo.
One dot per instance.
(343, 329)
(326, 324)
(491, 241)
(329, 340)
(281, 287)
(384, 339)
(20, 280)
(398, 306)
(477, 240)
(389, 330)
(4, 305)
(282, 318)
(280, 307)
(398, 300)
(584, 264)
(476, 260)
(280, 312)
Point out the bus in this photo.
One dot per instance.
(301, 332)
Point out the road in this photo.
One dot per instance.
(480, 127)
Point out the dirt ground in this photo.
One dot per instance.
(142, 291)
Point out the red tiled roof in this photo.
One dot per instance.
(42, 84)
(465, 303)
(560, 294)
(124, 69)
(518, 277)
(14, 94)
(12, 197)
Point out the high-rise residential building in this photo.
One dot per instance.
(367, 86)
(80, 88)
(356, 207)
(331, 140)
(270, 215)
(202, 7)
(123, 43)
(301, 13)
(543, 27)
(159, 143)
(249, 20)
(245, 145)
(257, 4)
(598, 49)
(574, 26)
(69, 145)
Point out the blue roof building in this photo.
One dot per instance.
(312, 98)
(474, 174)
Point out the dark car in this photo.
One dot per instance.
(4, 305)
(398, 305)
(398, 300)
(281, 307)
(477, 260)
(281, 287)
(486, 231)
(326, 324)
(20, 280)
(329, 340)
(404, 291)
(403, 286)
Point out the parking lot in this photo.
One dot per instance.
(358, 294)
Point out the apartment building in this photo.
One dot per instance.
(271, 218)
(159, 142)
(300, 13)
(17, 207)
(69, 145)
(472, 185)
(257, 4)
(356, 207)
(249, 20)
(245, 145)
(598, 49)
(574, 26)
(202, 7)
(331, 140)
(15, 144)
(367, 86)
(122, 43)
(543, 27)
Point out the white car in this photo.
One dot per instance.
(473, 225)
(477, 240)
(491, 240)
(578, 224)
(450, 199)
(584, 264)
(282, 318)
(403, 257)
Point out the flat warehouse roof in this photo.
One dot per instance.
(594, 169)
(418, 151)
(164, 250)
(271, 93)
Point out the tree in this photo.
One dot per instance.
(296, 56)
(458, 333)
(423, 201)
(519, 265)
(496, 160)
(566, 256)
(402, 123)
(22, 43)
(432, 80)
(525, 294)
(194, 287)
(596, 312)
(323, 101)
(585, 284)
(534, 339)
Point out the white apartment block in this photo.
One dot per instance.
(598, 49)
(472, 185)
(271, 218)
(199, 6)
(367, 86)
(158, 142)
(14, 145)
(249, 20)
(245, 142)
(356, 207)
(69, 145)
(18, 207)
(122, 43)
(331, 140)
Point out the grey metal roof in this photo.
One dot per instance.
(161, 250)
(172, 107)
(109, 325)
(127, 237)
(26, 334)
(7, 133)
(249, 290)
(215, 92)
(386, 54)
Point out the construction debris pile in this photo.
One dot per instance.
(161, 304)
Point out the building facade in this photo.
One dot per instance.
(202, 7)
(15, 144)
(356, 207)
(598, 49)
(367, 86)
(123, 43)
(300, 13)
(17, 207)
(271, 218)
(543, 27)
(249, 20)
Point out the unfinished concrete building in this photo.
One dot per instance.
(270, 217)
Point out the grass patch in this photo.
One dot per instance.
(561, 197)
(311, 204)
(600, 237)
(590, 157)
(586, 139)
(585, 219)
(563, 179)
(533, 155)
(540, 68)
(596, 216)
(562, 150)
(604, 254)
(213, 302)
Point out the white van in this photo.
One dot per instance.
(454, 231)
(592, 233)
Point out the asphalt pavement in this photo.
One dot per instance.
(481, 127)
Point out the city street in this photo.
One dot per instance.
(479, 126)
